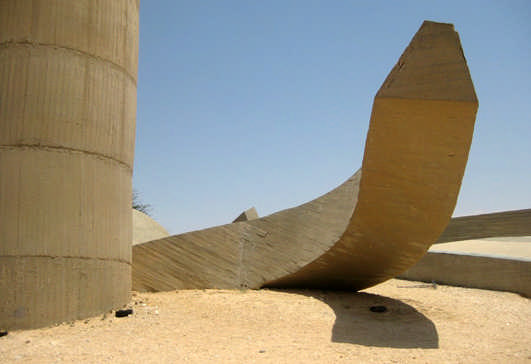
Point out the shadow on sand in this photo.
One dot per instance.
(400, 326)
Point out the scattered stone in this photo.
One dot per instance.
(378, 309)
(3, 333)
(124, 313)
(261, 351)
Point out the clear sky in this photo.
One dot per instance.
(267, 103)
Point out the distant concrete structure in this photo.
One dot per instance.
(68, 73)
(506, 223)
(146, 229)
(249, 214)
(474, 270)
(375, 225)
(458, 258)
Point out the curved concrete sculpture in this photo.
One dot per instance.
(372, 227)
(67, 128)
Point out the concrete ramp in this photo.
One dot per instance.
(372, 227)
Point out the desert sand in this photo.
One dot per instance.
(424, 323)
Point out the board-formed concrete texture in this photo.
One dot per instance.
(67, 126)
(372, 227)
(506, 223)
(474, 270)
(458, 258)
(146, 229)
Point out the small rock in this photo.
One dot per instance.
(3, 333)
(124, 313)
(261, 351)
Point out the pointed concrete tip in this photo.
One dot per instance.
(433, 67)
(247, 215)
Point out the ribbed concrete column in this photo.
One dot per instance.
(67, 126)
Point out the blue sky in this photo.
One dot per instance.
(267, 103)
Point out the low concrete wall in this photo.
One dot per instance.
(506, 223)
(474, 271)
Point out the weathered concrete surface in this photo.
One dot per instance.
(457, 259)
(506, 223)
(500, 273)
(67, 126)
(146, 229)
(244, 254)
(375, 225)
(249, 214)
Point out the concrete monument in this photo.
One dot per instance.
(67, 128)
(375, 225)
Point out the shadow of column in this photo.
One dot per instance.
(400, 326)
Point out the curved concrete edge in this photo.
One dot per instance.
(245, 254)
(58, 289)
(146, 229)
(372, 227)
(473, 271)
(416, 151)
(498, 224)
(67, 128)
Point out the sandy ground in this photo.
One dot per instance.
(422, 324)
